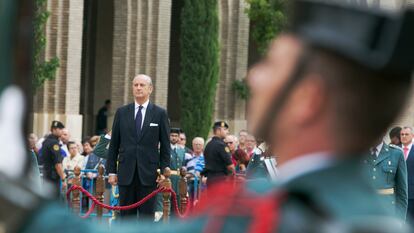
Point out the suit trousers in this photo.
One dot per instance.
(130, 194)
(410, 210)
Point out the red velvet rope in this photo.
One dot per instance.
(89, 211)
(133, 206)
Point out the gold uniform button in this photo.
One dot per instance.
(374, 177)
(374, 169)
(374, 160)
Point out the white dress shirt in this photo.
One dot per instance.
(143, 111)
(303, 165)
(69, 163)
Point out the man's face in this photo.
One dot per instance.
(87, 148)
(198, 147)
(406, 136)
(268, 77)
(73, 149)
(183, 139)
(230, 142)
(242, 137)
(250, 142)
(65, 136)
(32, 141)
(222, 132)
(174, 138)
(57, 132)
(395, 140)
(141, 88)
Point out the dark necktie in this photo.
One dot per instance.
(138, 120)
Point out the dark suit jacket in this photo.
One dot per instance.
(410, 173)
(141, 151)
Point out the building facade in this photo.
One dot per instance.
(103, 44)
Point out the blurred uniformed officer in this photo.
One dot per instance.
(388, 172)
(52, 158)
(217, 155)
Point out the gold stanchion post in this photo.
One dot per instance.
(76, 180)
(166, 195)
(183, 190)
(100, 189)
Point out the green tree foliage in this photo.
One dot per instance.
(241, 88)
(199, 65)
(43, 70)
(268, 18)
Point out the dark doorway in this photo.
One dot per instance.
(96, 73)
(174, 64)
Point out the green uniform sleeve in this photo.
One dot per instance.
(101, 149)
(401, 187)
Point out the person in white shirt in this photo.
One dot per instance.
(64, 139)
(74, 159)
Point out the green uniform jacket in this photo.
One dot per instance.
(256, 167)
(176, 162)
(101, 149)
(389, 171)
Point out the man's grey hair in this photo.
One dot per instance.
(144, 76)
(200, 139)
(235, 138)
(408, 127)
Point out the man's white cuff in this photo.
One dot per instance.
(111, 174)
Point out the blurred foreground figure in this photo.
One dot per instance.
(318, 99)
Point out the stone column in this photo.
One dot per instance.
(59, 99)
(141, 46)
(234, 38)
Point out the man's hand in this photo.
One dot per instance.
(64, 185)
(204, 180)
(113, 179)
(90, 175)
(160, 179)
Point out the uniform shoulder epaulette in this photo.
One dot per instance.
(395, 147)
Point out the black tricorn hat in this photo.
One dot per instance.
(175, 130)
(57, 124)
(379, 40)
(219, 124)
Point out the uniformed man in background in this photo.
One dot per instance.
(52, 159)
(387, 171)
(217, 155)
(178, 159)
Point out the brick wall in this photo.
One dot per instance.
(234, 38)
(141, 45)
(60, 98)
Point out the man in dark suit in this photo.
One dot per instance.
(407, 144)
(137, 130)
